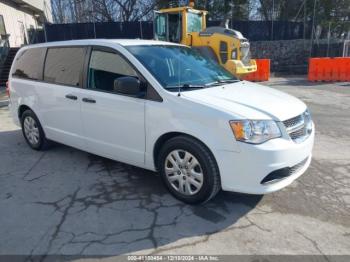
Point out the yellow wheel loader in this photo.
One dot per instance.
(186, 25)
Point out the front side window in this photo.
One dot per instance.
(160, 26)
(179, 65)
(29, 64)
(63, 65)
(194, 22)
(105, 68)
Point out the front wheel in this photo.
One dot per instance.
(189, 170)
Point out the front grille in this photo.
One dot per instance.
(297, 134)
(293, 121)
(298, 128)
(280, 174)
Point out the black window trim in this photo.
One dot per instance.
(85, 47)
(149, 95)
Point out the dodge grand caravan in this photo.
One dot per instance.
(163, 107)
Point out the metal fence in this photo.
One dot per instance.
(262, 30)
(59, 32)
(253, 30)
(333, 49)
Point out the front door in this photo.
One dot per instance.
(174, 21)
(113, 123)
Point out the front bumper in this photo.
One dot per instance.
(237, 67)
(244, 171)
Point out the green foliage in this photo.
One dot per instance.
(333, 15)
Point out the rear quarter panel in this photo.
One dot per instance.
(23, 92)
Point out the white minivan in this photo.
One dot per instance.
(163, 107)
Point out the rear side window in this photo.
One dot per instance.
(63, 65)
(29, 64)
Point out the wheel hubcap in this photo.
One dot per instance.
(184, 172)
(31, 130)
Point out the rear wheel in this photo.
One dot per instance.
(33, 131)
(189, 170)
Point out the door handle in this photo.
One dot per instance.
(72, 97)
(89, 100)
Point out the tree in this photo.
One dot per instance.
(334, 14)
(79, 11)
(225, 9)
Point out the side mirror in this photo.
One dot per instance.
(127, 85)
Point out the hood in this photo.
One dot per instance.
(247, 100)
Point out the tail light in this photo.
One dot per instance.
(8, 89)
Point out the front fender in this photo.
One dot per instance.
(211, 129)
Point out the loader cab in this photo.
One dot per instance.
(186, 25)
(176, 24)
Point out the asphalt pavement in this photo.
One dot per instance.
(65, 201)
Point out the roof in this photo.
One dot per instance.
(224, 31)
(180, 9)
(36, 5)
(122, 42)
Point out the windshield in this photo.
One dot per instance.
(194, 22)
(180, 66)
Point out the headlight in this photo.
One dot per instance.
(255, 131)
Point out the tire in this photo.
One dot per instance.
(33, 132)
(204, 178)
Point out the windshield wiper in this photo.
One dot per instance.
(185, 86)
(198, 86)
(221, 82)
